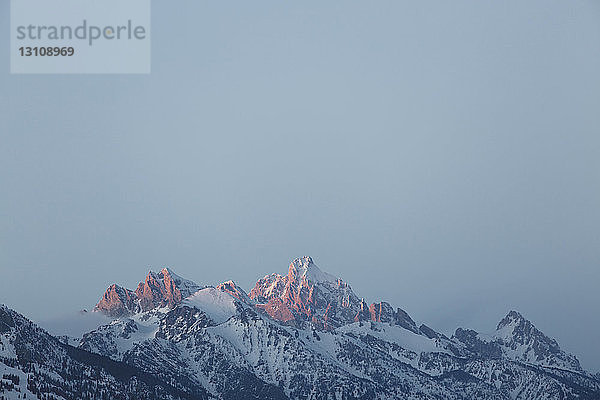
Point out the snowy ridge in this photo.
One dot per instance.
(186, 286)
(522, 341)
(307, 335)
(218, 305)
(304, 267)
(38, 365)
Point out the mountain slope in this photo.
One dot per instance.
(43, 366)
(517, 339)
(307, 335)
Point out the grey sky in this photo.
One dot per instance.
(442, 156)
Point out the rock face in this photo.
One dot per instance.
(307, 294)
(234, 290)
(163, 289)
(402, 318)
(474, 343)
(381, 312)
(117, 301)
(159, 289)
(363, 313)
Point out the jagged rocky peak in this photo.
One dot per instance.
(159, 289)
(402, 318)
(512, 318)
(234, 290)
(515, 329)
(117, 301)
(303, 268)
(523, 341)
(516, 338)
(164, 288)
(306, 294)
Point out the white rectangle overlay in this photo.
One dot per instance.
(80, 37)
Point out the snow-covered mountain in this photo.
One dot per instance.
(307, 335)
(36, 365)
(518, 339)
(308, 295)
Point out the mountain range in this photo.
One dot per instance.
(303, 335)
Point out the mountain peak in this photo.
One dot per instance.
(512, 318)
(166, 271)
(516, 328)
(306, 294)
(116, 301)
(159, 289)
(523, 341)
(163, 289)
(304, 267)
(234, 290)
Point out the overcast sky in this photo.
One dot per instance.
(443, 156)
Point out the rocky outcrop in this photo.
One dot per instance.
(381, 312)
(117, 301)
(363, 313)
(277, 310)
(306, 294)
(159, 289)
(402, 318)
(234, 290)
(163, 289)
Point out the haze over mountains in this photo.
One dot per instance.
(303, 335)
